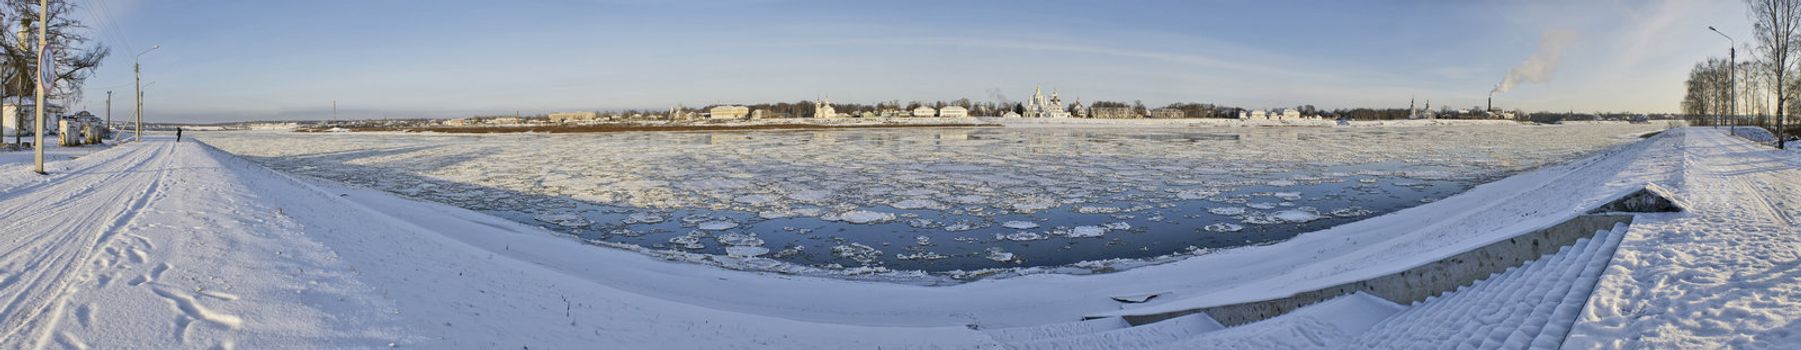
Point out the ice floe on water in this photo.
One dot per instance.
(1223, 227)
(898, 204)
(1020, 225)
(564, 219)
(865, 217)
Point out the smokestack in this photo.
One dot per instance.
(1491, 102)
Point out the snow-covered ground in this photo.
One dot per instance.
(165, 245)
(877, 204)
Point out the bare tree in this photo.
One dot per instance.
(1774, 23)
(75, 53)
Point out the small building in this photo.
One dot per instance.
(1291, 113)
(953, 112)
(1010, 114)
(1168, 113)
(924, 112)
(506, 121)
(1114, 113)
(759, 114)
(1259, 114)
(17, 115)
(728, 112)
(574, 117)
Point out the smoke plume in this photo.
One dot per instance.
(1538, 67)
(997, 96)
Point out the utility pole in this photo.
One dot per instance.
(334, 111)
(109, 111)
(138, 86)
(43, 46)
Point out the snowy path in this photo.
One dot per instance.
(52, 240)
(165, 245)
(1725, 274)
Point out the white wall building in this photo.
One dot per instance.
(953, 112)
(924, 112)
(728, 112)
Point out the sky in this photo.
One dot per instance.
(289, 60)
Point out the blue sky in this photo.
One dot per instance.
(258, 60)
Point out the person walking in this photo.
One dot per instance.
(177, 134)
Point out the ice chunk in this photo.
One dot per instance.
(564, 219)
(688, 241)
(643, 218)
(717, 225)
(1192, 194)
(911, 204)
(859, 252)
(865, 217)
(1087, 231)
(996, 254)
(745, 251)
(1227, 211)
(810, 195)
(1351, 212)
(1262, 205)
(1297, 216)
(1223, 227)
(1020, 225)
(1021, 236)
(739, 239)
(756, 199)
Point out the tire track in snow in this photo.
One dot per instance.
(53, 243)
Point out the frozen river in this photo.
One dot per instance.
(940, 202)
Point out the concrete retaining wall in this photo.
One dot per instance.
(1419, 282)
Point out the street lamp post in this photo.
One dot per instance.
(138, 113)
(1731, 75)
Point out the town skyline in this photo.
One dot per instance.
(292, 60)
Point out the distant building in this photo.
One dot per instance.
(1168, 113)
(1011, 114)
(953, 112)
(925, 112)
(506, 121)
(17, 117)
(459, 122)
(823, 109)
(728, 112)
(574, 117)
(1259, 114)
(1042, 107)
(1291, 113)
(759, 114)
(1079, 110)
(676, 113)
(1416, 113)
(1114, 113)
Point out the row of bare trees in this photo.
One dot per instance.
(1759, 90)
(76, 54)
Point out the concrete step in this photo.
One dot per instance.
(1528, 306)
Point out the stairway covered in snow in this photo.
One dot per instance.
(1529, 306)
